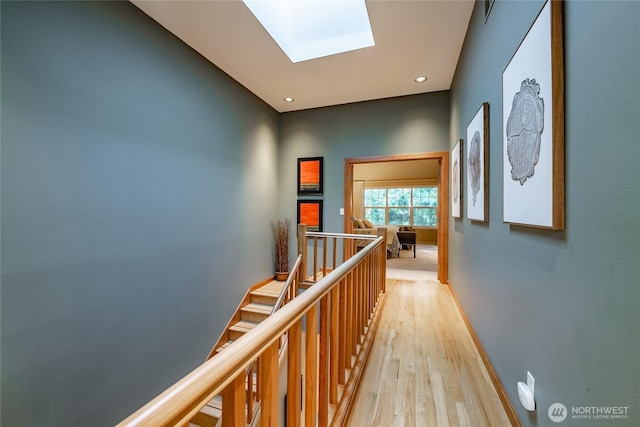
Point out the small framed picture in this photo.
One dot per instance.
(478, 166)
(310, 213)
(456, 181)
(310, 176)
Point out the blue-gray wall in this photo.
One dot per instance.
(410, 124)
(564, 305)
(137, 179)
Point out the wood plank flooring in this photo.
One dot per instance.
(424, 369)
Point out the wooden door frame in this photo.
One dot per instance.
(443, 199)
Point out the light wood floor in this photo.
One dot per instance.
(424, 369)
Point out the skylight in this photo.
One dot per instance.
(309, 29)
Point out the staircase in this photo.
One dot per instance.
(259, 302)
(323, 368)
(257, 305)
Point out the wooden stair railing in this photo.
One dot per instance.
(259, 302)
(342, 311)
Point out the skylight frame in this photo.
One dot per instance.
(310, 29)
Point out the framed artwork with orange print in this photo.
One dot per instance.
(310, 176)
(310, 213)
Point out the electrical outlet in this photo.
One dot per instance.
(531, 382)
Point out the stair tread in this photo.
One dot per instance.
(216, 402)
(270, 289)
(258, 308)
(242, 326)
(212, 411)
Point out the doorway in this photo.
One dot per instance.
(443, 199)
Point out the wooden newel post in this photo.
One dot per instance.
(302, 250)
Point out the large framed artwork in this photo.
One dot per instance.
(310, 213)
(533, 125)
(456, 182)
(477, 166)
(310, 176)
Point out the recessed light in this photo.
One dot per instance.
(421, 79)
(288, 99)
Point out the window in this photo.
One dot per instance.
(414, 206)
(425, 205)
(375, 202)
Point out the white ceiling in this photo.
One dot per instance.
(412, 38)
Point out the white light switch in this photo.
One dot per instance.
(342, 211)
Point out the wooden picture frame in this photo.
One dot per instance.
(533, 125)
(310, 213)
(310, 176)
(477, 182)
(456, 180)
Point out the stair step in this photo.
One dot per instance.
(267, 294)
(264, 297)
(208, 416)
(240, 328)
(255, 312)
(216, 403)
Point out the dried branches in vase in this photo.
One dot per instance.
(280, 230)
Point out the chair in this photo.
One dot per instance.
(407, 238)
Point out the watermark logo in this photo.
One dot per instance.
(557, 412)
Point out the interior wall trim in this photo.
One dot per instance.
(493, 375)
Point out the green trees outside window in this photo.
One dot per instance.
(413, 206)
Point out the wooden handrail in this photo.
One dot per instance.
(342, 235)
(178, 404)
(287, 285)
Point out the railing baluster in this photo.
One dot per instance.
(323, 371)
(250, 394)
(315, 259)
(376, 273)
(311, 367)
(294, 374)
(372, 285)
(333, 345)
(256, 367)
(382, 232)
(359, 306)
(233, 401)
(366, 286)
(302, 250)
(343, 331)
(269, 386)
(335, 253)
(351, 316)
(324, 257)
